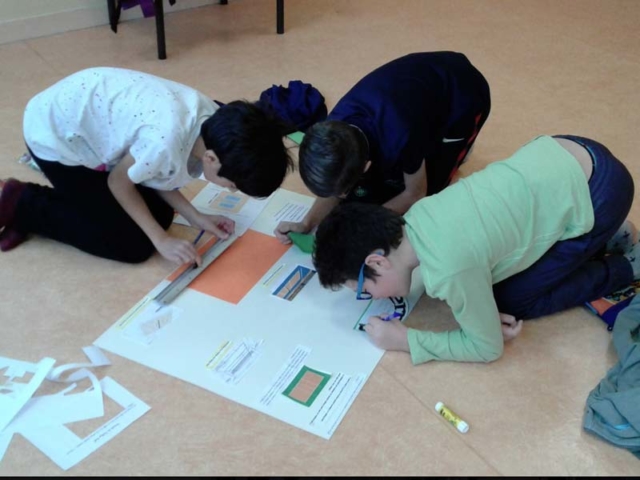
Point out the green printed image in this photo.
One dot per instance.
(306, 386)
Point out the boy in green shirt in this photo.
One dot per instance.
(541, 236)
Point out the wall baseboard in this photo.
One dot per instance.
(59, 22)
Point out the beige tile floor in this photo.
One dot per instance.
(554, 66)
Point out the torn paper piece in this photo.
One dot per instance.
(285, 374)
(96, 358)
(20, 381)
(231, 362)
(62, 407)
(68, 405)
(66, 449)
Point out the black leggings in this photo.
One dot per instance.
(81, 211)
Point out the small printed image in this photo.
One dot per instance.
(306, 386)
(149, 323)
(229, 202)
(294, 283)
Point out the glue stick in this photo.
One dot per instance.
(452, 418)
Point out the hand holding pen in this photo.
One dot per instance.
(391, 317)
(198, 260)
(387, 332)
(386, 318)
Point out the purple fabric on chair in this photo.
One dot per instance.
(148, 8)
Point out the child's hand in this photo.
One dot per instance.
(389, 335)
(178, 250)
(285, 227)
(219, 225)
(510, 327)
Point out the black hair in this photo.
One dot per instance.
(332, 157)
(248, 142)
(348, 235)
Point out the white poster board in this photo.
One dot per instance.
(256, 327)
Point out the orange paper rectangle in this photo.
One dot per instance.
(238, 269)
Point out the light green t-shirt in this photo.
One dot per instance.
(488, 227)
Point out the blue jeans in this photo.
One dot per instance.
(577, 270)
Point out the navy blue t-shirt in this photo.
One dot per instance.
(405, 108)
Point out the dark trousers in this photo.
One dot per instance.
(577, 270)
(81, 211)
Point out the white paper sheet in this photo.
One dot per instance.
(66, 449)
(311, 360)
(284, 206)
(62, 407)
(15, 392)
(42, 418)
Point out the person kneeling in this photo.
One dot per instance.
(525, 237)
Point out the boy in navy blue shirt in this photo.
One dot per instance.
(398, 135)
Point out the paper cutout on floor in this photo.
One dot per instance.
(15, 388)
(63, 407)
(66, 449)
(42, 418)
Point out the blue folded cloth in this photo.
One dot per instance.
(299, 105)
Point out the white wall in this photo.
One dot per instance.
(25, 19)
(18, 9)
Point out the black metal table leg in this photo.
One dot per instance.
(162, 48)
(114, 14)
(280, 16)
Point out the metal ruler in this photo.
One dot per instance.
(177, 286)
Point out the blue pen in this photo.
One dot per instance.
(391, 317)
(198, 237)
(384, 319)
